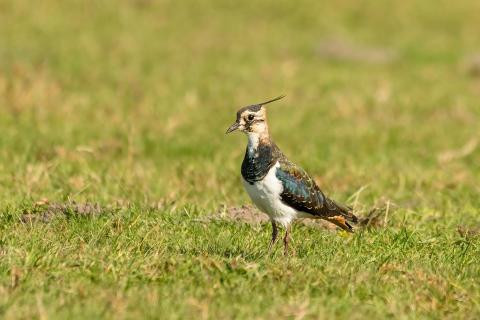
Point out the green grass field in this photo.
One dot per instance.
(120, 108)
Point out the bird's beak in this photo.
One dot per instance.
(233, 127)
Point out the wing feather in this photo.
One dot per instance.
(302, 193)
(299, 190)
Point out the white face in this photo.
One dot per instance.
(250, 119)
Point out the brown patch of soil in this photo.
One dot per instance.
(246, 214)
(343, 50)
(375, 218)
(471, 65)
(468, 232)
(44, 211)
(250, 215)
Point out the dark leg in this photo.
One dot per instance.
(286, 239)
(274, 236)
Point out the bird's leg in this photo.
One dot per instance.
(274, 236)
(286, 239)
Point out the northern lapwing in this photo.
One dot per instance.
(278, 187)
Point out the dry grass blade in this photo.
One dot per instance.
(376, 217)
(463, 152)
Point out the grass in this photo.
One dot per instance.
(125, 105)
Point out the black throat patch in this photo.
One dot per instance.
(257, 162)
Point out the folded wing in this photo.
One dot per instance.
(302, 193)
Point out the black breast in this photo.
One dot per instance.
(258, 162)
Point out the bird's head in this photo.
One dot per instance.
(252, 119)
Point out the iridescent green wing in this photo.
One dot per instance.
(299, 190)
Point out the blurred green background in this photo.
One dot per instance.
(128, 101)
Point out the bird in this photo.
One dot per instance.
(279, 187)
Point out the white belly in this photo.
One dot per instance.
(266, 196)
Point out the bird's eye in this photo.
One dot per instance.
(250, 117)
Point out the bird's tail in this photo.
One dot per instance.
(341, 215)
